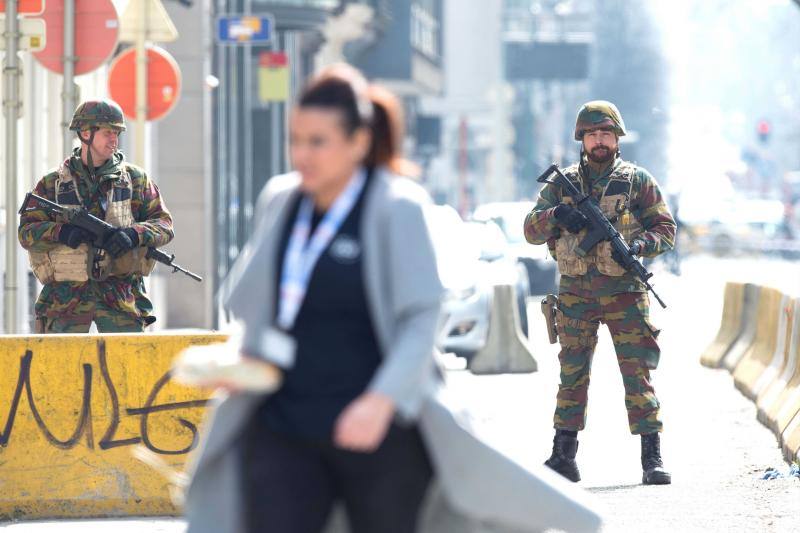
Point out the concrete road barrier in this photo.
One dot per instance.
(506, 350)
(790, 440)
(785, 402)
(761, 348)
(788, 407)
(747, 331)
(775, 395)
(558, 504)
(72, 407)
(781, 356)
(770, 334)
(729, 328)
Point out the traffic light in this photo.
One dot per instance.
(763, 129)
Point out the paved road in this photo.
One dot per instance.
(713, 445)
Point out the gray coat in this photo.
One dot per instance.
(475, 484)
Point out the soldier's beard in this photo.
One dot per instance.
(601, 154)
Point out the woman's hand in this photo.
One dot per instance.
(363, 424)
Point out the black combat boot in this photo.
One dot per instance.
(565, 446)
(653, 472)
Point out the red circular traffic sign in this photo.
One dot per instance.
(24, 7)
(96, 31)
(163, 82)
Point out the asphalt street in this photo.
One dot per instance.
(712, 444)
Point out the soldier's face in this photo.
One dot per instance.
(322, 151)
(600, 145)
(104, 144)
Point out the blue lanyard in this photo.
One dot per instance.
(304, 250)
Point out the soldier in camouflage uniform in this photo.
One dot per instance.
(83, 284)
(594, 288)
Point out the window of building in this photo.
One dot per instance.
(425, 28)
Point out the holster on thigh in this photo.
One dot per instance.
(574, 332)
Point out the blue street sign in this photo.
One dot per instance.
(244, 29)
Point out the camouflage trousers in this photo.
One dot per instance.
(627, 318)
(80, 320)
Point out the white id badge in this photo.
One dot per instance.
(279, 347)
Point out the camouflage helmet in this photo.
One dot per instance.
(598, 114)
(103, 113)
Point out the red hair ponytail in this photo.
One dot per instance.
(387, 133)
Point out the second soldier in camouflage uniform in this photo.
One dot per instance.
(595, 289)
(83, 284)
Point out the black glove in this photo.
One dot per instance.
(73, 236)
(570, 218)
(634, 249)
(120, 241)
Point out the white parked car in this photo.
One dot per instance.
(472, 258)
(510, 216)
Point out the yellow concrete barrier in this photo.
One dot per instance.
(71, 409)
(782, 355)
(747, 331)
(785, 403)
(788, 406)
(729, 327)
(770, 327)
(777, 393)
(790, 440)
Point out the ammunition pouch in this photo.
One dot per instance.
(62, 263)
(133, 262)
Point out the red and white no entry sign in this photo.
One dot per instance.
(163, 82)
(96, 31)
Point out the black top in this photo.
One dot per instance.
(337, 352)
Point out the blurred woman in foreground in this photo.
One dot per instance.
(338, 290)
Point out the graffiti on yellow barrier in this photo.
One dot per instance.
(84, 425)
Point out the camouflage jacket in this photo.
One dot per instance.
(39, 232)
(647, 206)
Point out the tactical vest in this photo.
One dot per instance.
(63, 263)
(615, 205)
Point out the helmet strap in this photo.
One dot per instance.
(88, 143)
(582, 162)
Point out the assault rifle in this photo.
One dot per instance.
(599, 229)
(100, 229)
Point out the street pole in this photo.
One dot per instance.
(247, 192)
(141, 81)
(276, 112)
(68, 93)
(11, 107)
(463, 163)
